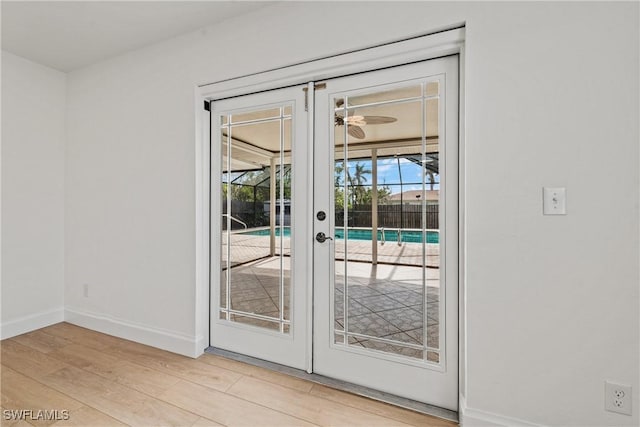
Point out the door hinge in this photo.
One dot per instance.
(207, 105)
(317, 86)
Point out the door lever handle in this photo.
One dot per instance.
(321, 237)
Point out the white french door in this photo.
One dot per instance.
(340, 255)
(259, 214)
(386, 250)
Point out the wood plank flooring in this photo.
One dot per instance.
(106, 381)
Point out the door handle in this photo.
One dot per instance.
(321, 237)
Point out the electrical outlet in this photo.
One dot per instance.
(617, 398)
(85, 290)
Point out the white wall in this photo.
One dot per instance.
(551, 100)
(33, 135)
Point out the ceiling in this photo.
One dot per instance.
(67, 35)
(256, 134)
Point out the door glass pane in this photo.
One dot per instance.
(387, 207)
(256, 223)
(389, 95)
(256, 115)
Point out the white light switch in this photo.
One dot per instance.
(554, 201)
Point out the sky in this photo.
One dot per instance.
(390, 170)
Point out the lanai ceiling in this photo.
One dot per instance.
(255, 143)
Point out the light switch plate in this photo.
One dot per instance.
(554, 201)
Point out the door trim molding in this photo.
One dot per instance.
(387, 55)
(403, 52)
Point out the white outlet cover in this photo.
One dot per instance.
(554, 201)
(617, 398)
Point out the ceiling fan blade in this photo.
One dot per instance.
(355, 131)
(377, 120)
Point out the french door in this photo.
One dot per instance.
(349, 271)
(386, 224)
(259, 214)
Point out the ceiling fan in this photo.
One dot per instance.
(354, 122)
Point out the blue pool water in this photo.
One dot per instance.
(360, 234)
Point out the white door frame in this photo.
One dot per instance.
(387, 55)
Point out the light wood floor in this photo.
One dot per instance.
(106, 381)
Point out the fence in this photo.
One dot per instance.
(252, 213)
(391, 216)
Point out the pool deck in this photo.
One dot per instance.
(386, 301)
(246, 248)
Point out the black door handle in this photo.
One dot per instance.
(321, 237)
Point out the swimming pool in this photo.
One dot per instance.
(409, 236)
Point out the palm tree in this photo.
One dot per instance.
(431, 177)
(339, 171)
(359, 174)
(356, 180)
(359, 179)
(338, 190)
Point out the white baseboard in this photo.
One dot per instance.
(160, 338)
(470, 417)
(30, 323)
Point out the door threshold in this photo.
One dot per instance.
(370, 393)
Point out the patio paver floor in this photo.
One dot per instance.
(385, 300)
